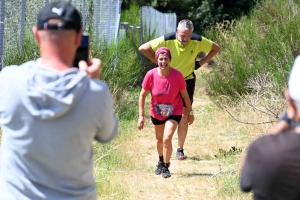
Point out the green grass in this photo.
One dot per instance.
(265, 42)
(16, 55)
(111, 162)
(132, 15)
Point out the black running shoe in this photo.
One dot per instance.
(165, 172)
(180, 155)
(159, 167)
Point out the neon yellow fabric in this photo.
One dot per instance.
(183, 56)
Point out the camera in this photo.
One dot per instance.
(82, 52)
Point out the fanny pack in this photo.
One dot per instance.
(164, 110)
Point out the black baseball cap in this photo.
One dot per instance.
(64, 11)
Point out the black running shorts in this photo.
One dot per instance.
(155, 121)
(190, 87)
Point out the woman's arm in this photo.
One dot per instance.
(142, 99)
(188, 105)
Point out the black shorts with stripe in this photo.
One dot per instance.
(190, 87)
(155, 121)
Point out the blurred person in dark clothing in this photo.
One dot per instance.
(271, 168)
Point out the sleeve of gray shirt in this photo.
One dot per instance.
(109, 126)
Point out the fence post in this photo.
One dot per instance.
(117, 21)
(141, 26)
(83, 14)
(137, 29)
(96, 22)
(123, 28)
(22, 31)
(2, 19)
(132, 30)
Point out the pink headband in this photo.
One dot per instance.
(163, 50)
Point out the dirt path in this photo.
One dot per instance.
(190, 179)
(193, 178)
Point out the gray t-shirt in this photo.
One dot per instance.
(272, 167)
(49, 121)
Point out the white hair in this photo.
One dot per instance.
(186, 24)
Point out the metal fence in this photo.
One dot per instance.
(100, 18)
(154, 23)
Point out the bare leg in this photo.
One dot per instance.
(159, 134)
(182, 129)
(170, 127)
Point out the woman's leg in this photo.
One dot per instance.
(159, 134)
(169, 129)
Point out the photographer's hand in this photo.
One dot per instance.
(93, 69)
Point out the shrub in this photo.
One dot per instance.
(265, 42)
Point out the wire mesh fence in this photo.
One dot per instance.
(154, 23)
(99, 17)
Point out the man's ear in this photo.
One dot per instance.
(36, 35)
(287, 94)
(296, 112)
(289, 99)
(78, 38)
(292, 105)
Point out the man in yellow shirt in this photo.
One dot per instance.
(185, 46)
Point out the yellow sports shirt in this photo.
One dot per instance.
(183, 56)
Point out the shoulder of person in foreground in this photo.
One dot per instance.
(10, 68)
(11, 72)
(264, 158)
(249, 161)
(109, 126)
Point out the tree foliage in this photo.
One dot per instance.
(203, 13)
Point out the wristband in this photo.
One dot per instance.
(285, 117)
(197, 65)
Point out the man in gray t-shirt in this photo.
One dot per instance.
(50, 114)
(272, 166)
